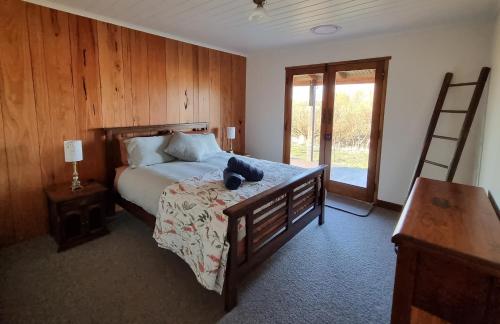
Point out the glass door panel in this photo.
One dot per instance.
(306, 109)
(352, 121)
(355, 94)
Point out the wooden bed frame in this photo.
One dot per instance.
(272, 217)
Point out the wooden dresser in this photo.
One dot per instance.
(448, 262)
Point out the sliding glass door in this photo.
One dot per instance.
(333, 116)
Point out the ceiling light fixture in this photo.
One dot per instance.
(325, 29)
(259, 12)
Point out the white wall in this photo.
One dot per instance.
(490, 164)
(419, 61)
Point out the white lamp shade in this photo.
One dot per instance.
(73, 151)
(231, 132)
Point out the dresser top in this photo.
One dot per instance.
(451, 218)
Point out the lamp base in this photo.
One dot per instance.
(75, 183)
(75, 186)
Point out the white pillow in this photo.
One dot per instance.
(147, 150)
(192, 147)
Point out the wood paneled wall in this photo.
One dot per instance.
(64, 76)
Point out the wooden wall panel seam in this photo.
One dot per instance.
(98, 62)
(225, 98)
(34, 86)
(214, 85)
(127, 77)
(157, 72)
(112, 82)
(97, 58)
(237, 101)
(7, 228)
(88, 109)
(60, 89)
(139, 77)
(196, 89)
(203, 85)
(147, 80)
(46, 166)
(72, 75)
(186, 83)
(172, 80)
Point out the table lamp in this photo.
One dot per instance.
(231, 135)
(73, 153)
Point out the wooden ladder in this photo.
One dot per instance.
(464, 132)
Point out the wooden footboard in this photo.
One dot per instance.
(272, 218)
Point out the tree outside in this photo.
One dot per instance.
(351, 125)
(305, 135)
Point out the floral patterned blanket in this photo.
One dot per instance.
(191, 222)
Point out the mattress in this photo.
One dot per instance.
(144, 185)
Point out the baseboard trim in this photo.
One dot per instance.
(494, 203)
(389, 205)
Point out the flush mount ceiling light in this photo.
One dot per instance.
(259, 12)
(325, 29)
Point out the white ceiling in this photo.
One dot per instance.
(223, 23)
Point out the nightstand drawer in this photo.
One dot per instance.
(82, 202)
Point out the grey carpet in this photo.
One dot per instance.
(341, 272)
(357, 207)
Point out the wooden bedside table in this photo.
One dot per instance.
(242, 154)
(77, 216)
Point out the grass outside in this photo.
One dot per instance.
(342, 157)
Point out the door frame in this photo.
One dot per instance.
(329, 70)
(362, 193)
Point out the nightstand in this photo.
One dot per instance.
(77, 216)
(242, 153)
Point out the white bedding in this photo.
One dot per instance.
(144, 185)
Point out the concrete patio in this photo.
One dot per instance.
(352, 176)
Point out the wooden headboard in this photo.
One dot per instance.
(115, 149)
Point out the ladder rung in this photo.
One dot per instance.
(454, 111)
(462, 84)
(445, 137)
(437, 164)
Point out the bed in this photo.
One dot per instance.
(257, 226)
